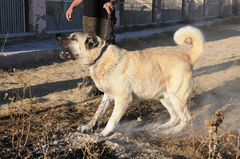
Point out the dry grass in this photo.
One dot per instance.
(215, 139)
(28, 128)
(92, 149)
(21, 115)
(33, 127)
(229, 20)
(5, 41)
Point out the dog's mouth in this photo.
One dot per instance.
(66, 55)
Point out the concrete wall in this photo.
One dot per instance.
(37, 16)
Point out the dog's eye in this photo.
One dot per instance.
(74, 37)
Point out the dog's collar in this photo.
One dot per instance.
(100, 55)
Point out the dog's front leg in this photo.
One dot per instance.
(104, 105)
(121, 105)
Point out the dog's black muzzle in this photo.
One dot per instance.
(62, 41)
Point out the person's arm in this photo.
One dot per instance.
(110, 4)
(69, 12)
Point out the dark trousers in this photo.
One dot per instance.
(96, 27)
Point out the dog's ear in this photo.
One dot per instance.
(91, 42)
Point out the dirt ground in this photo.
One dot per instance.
(42, 104)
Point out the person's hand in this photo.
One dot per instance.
(110, 5)
(69, 14)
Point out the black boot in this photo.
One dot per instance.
(94, 91)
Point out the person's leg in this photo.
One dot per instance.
(96, 27)
(102, 28)
(90, 27)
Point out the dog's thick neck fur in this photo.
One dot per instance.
(108, 59)
(99, 55)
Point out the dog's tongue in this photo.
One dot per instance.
(68, 55)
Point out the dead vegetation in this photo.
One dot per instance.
(5, 41)
(29, 131)
(42, 106)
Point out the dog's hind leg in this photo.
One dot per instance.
(174, 118)
(121, 105)
(104, 105)
(180, 107)
(178, 91)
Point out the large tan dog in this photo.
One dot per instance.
(125, 75)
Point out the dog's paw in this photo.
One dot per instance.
(105, 132)
(160, 126)
(173, 130)
(84, 128)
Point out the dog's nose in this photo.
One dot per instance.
(60, 35)
(57, 36)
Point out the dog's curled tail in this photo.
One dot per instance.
(188, 35)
